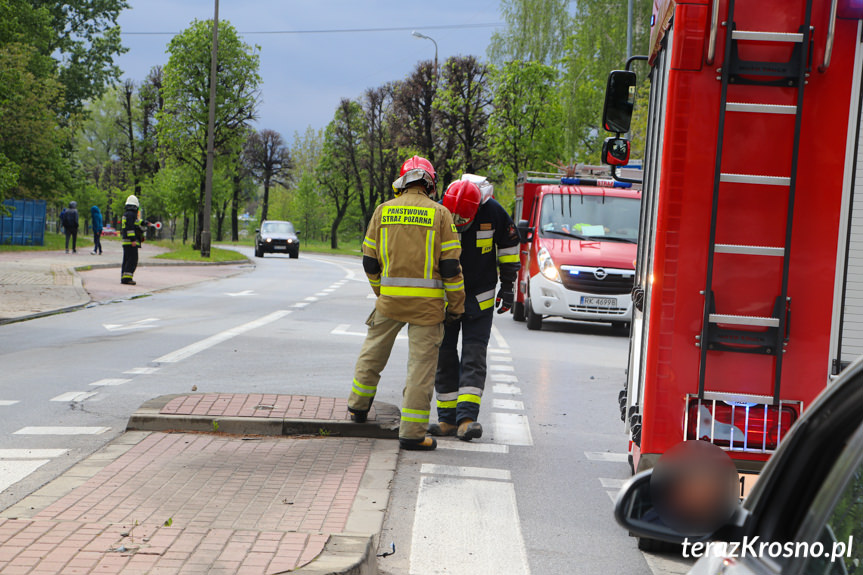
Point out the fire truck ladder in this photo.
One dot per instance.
(718, 332)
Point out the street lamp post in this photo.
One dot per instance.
(211, 126)
(423, 36)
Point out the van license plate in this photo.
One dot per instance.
(599, 301)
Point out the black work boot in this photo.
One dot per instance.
(358, 415)
(468, 430)
(424, 444)
(442, 429)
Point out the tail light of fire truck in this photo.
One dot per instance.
(739, 426)
(546, 265)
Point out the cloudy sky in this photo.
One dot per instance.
(306, 74)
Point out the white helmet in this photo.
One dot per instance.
(485, 187)
(132, 201)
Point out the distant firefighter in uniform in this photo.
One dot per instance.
(132, 234)
(490, 244)
(410, 255)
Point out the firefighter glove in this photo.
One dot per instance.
(451, 318)
(505, 297)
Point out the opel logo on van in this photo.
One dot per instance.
(600, 273)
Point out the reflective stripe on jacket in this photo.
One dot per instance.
(409, 238)
(130, 228)
(489, 248)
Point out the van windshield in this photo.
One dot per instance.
(590, 217)
(277, 228)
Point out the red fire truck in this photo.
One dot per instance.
(579, 249)
(749, 278)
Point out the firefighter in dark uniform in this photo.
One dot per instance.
(132, 234)
(490, 245)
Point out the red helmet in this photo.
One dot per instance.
(416, 169)
(462, 198)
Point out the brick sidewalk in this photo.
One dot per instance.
(195, 503)
(261, 405)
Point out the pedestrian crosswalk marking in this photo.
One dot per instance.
(462, 471)
(510, 429)
(11, 472)
(507, 404)
(503, 358)
(501, 368)
(311, 298)
(612, 483)
(498, 337)
(504, 377)
(321, 294)
(48, 430)
(506, 389)
(301, 304)
(110, 381)
(607, 456)
(32, 453)
(7, 402)
(74, 396)
(142, 371)
(476, 447)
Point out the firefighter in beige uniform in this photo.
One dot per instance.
(411, 257)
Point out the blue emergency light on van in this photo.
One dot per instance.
(594, 182)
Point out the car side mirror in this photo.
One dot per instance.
(525, 232)
(615, 151)
(634, 511)
(619, 101)
(257, 231)
(297, 234)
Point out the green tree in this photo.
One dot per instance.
(463, 103)
(86, 39)
(307, 205)
(536, 31)
(524, 126)
(333, 171)
(597, 46)
(268, 160)
(182, 123)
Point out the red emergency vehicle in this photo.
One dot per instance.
(579, 250)
(749, 278)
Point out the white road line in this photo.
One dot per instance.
(612, 483)
(503, 358)
(75, 396)
(498, 337)
(61, 430)
(199, 346)
(612, 495)
(667, 564)
(486, 537)
(342, 329)
(498, 350)
(110, 381)
(510, 429)
(461, 471)
(504, 377)
(506, 389)
(328, 290)
(607, 456)
(140, 324)
(32, 453)
(371, 296)
(7, 402)
(507, 404)
(241, 293)
(351, 274)
(501, 368)
(321, 294)
(12, 472)
(311, 298)
(301, 304)
(142, 370)
(477, 447)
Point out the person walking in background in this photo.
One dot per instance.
(69, 218)
(410, 255)
(96, 216)
(132, 234)
(490, 243)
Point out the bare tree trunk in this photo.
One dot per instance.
(235, 202)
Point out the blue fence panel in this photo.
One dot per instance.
(24, 225)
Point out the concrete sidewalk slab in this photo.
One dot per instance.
(207, 503)
(38, 283)
(262, 414)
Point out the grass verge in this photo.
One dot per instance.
(186, 253)
(53, 242)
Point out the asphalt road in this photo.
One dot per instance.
(534, 495)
